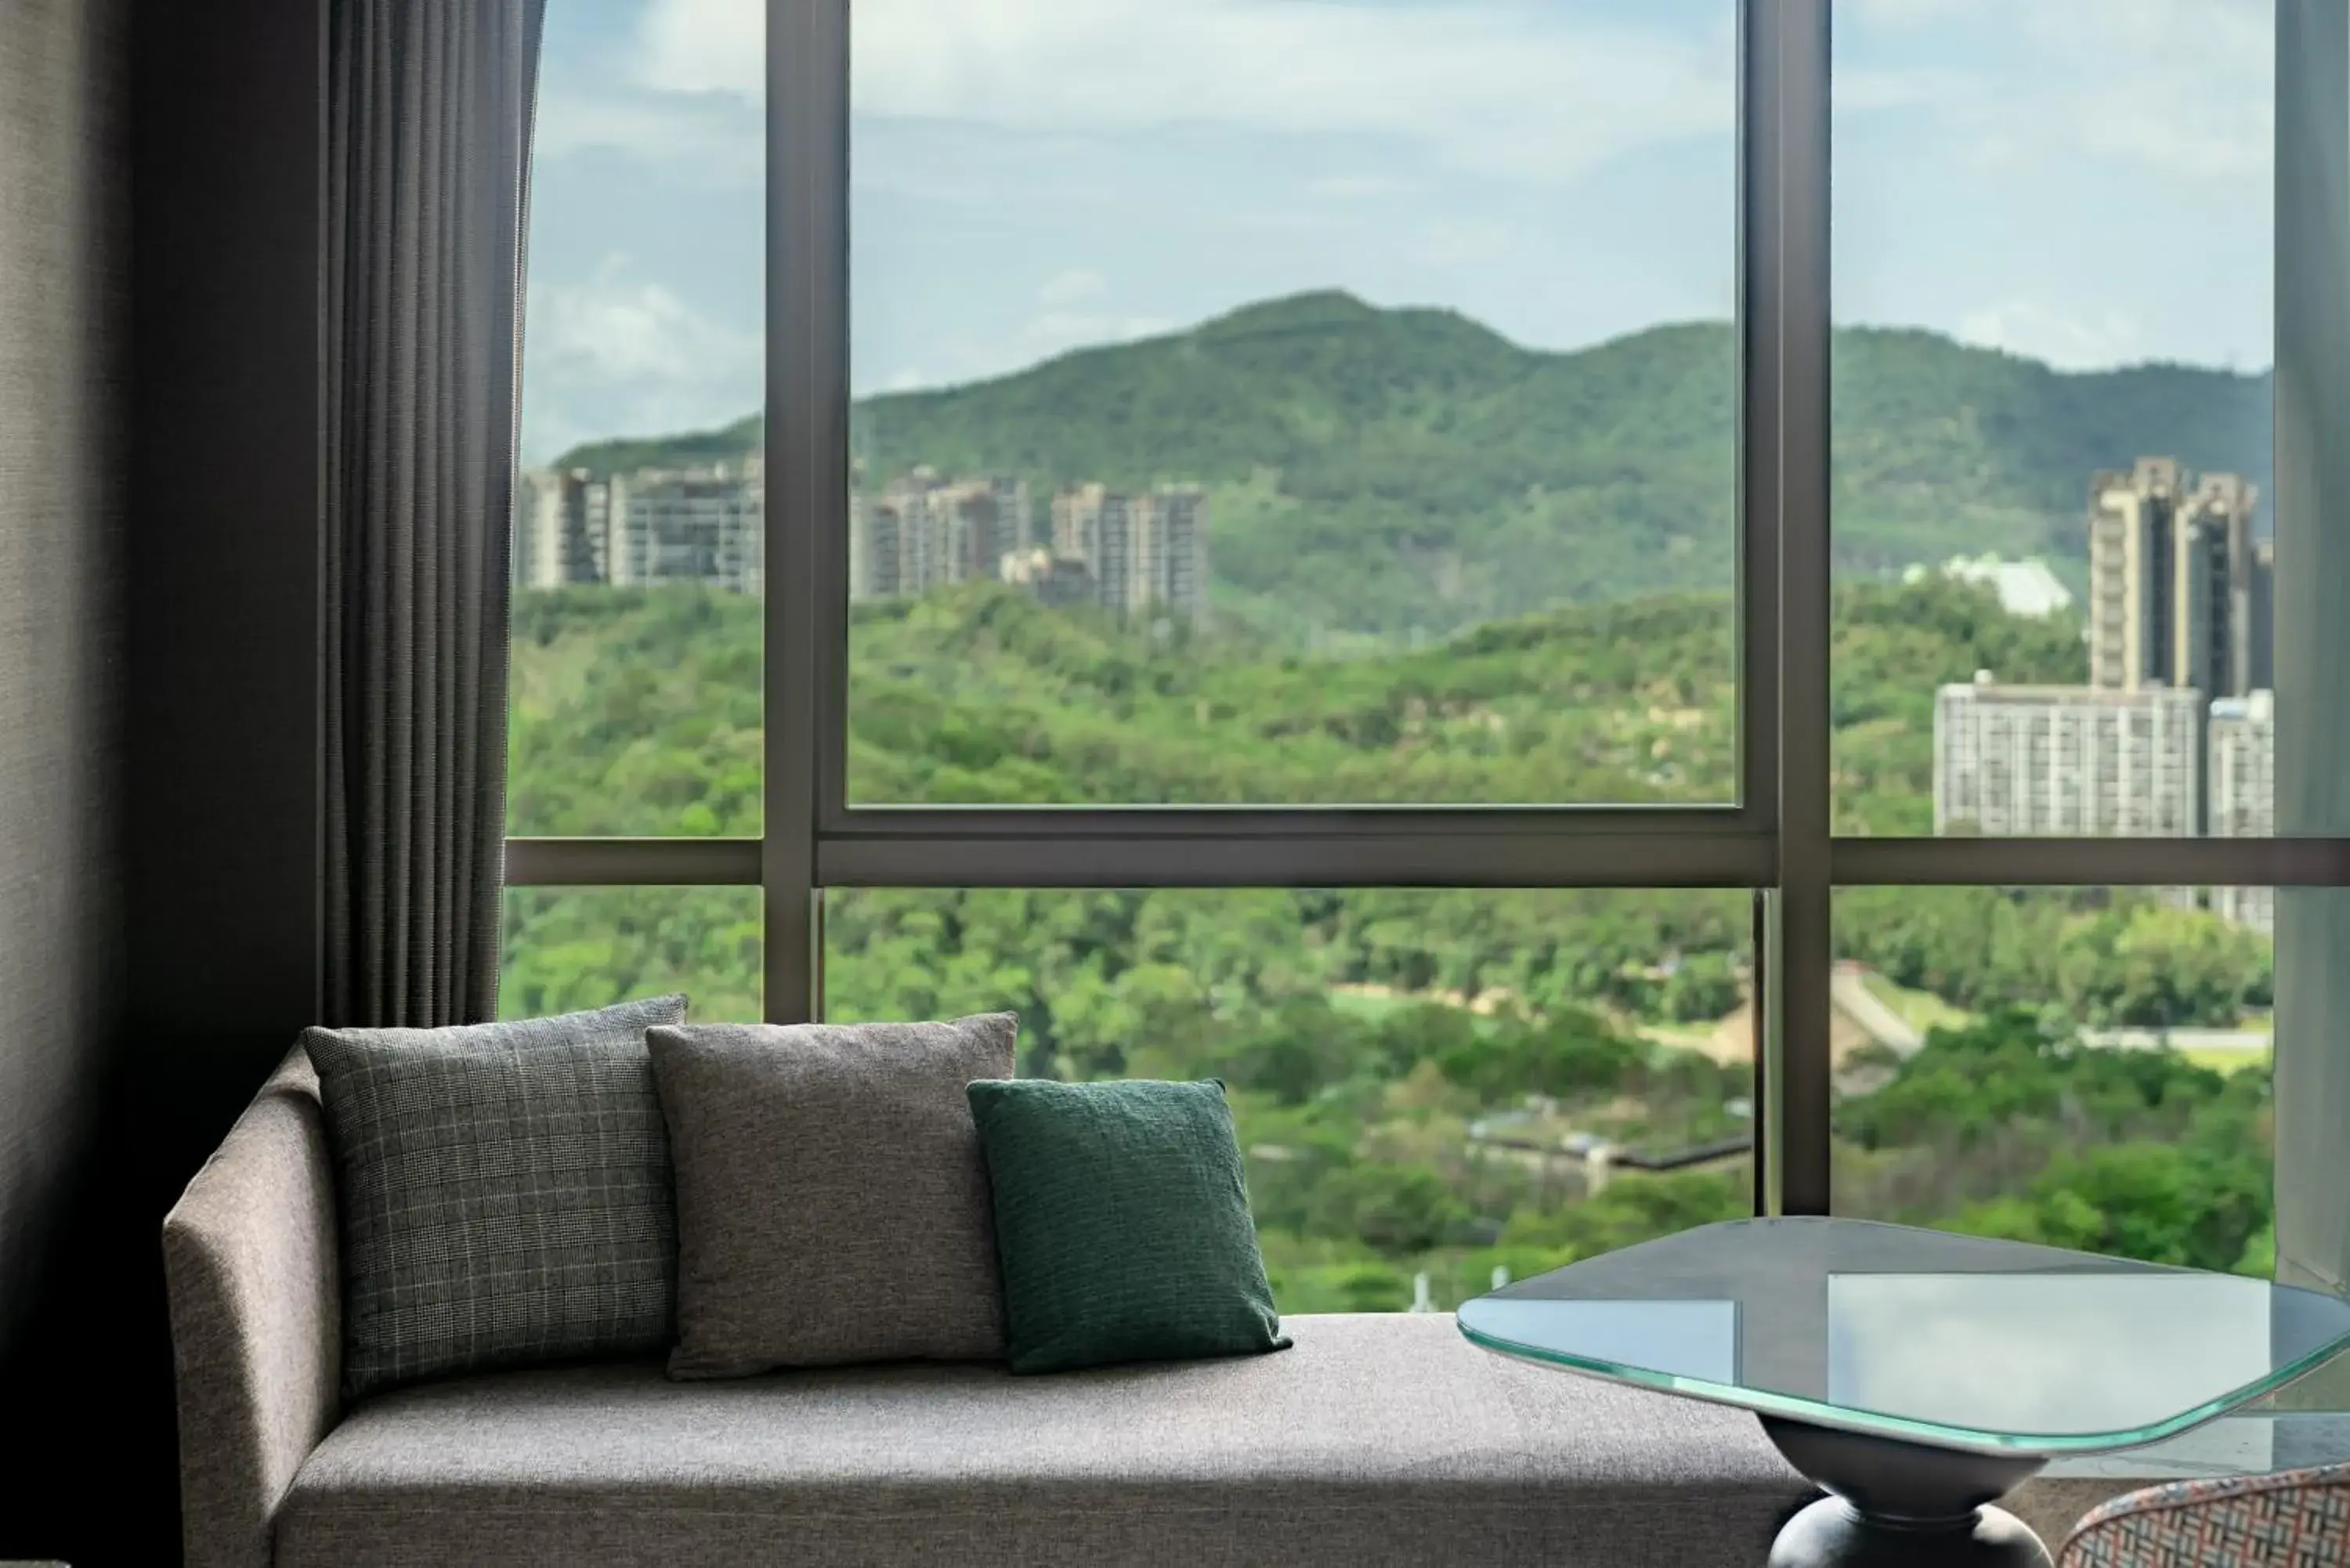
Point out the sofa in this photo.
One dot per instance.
(1378, 1439)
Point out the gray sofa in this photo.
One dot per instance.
(1376, 1439)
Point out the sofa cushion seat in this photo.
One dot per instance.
(1376, 1439)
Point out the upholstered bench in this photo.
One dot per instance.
(1378, 1438)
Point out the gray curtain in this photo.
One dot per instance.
(428, 122)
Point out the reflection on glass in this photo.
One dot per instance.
(1232, 428)
(638, 558)
(565, 949)
(2052, 496)
(1432, 1089)
(2089, 1067)
(1912, 1333)
(2043, 1353)
(1693, 1339)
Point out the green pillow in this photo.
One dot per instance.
(1122, 1223)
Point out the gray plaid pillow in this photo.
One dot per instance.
(505, 1192)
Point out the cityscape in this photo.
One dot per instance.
(1133, 554)
(2174, 734)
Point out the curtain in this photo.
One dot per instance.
(429, 125)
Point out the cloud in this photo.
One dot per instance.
(703, 46)
(2185, 89)
(1497, 87)
(2068, 341)
(618, 351)
(707, 140)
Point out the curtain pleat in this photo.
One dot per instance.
(427, 175)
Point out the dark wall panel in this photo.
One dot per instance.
(217, 805)
(62, 198)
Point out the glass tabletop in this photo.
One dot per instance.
(1918, 1336)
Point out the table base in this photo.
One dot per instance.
(1908, 1504)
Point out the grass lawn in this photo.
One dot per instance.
(1922, 1010)
(2226, 1060)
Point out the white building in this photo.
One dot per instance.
(2065, 760)
(560, 523)
(689, 525)
(2024, 587)
(2243, 795)
(703, 525)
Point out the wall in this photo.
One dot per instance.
(61, 290)
(158, 583)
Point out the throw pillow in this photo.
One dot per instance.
(504, 1191)
(1122, 1220)
(831, 1204)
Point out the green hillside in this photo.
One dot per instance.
(1394, 1055)
(638, 713)
(1397, 471)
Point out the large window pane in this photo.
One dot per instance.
(638, 541)
(1272, 403)
(1437, 1084)
(2053, 260)
(2085, 1067)
(567, 949)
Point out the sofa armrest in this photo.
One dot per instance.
(250, 1259)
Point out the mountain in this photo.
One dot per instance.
(1392, 473)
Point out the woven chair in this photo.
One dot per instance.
(2293, 1518)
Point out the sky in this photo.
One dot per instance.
(2085, 182)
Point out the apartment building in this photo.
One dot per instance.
(2065, 760)
(2243, 795)
(2179, 591)
(653, 526)
(922, 532)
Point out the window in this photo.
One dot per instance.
(2053, 492)
(1231, 434)
(2086, 1067)
(565, 950)
(639, 545)
(1428, 1086)
(1280, 539)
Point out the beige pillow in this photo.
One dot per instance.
(832, 1203)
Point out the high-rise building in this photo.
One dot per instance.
(2175, 595)
(689, 525)
(1170, 557)
(2260, 619)
(1146, 553)
(1094, 525)
(559, 528)
(922, 532)
(656, 525)
(2065, 760)
(1013, 521)
(2243, 795)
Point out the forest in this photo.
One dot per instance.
(1421, 1077)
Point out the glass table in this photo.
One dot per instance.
(1916, 1377)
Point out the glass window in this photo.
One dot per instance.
(2051, 478)
(2086, 1067)
(637, 540)
(1431, 1088)
(1290, 404)
(565, 949)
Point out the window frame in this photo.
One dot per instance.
(1776, 840)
